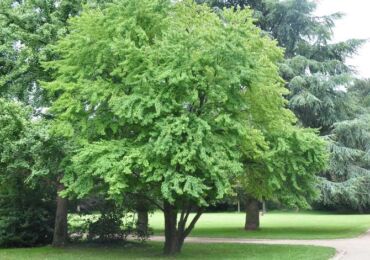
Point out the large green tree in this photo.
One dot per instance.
(157, 92)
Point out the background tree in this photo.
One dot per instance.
(26, 211)
(287, 172)
(319, 80)
(288, 160)
(27, 27)
(346, 185)
(50, 156)
(314, 68)
(26, 30)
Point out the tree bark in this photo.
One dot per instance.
(252, 220)
(61, 226)
(171, 244)
(142, 222)
(176, 232)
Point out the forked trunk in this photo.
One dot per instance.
(177, 231)
(61, 225)
(252, 220)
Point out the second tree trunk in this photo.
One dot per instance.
(61, 225)
(142, 222)
(252, 221)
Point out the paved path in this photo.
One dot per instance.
(347, 249)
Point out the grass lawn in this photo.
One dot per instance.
(276, 225)
(153, 251)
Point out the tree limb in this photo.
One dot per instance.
(193, 222)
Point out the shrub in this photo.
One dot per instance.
(109, 223)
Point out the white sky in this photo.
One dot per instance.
(355, 24)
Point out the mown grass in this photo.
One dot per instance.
(154, 251)
(276, 225)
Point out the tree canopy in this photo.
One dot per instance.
(164, 99)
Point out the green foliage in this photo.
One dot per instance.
(109, 228)
(78, 224)
(318, 80)
(110, 222)
(26, 212)
(295, 160)
(114, 224)
(26, 29)
(289, 158)
(315, 69)
(346, 184)
(287, 171)
(162, 98)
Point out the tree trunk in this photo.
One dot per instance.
(171, 244)
(61, 226)
(176, 232)
(264, 208)
(142, 222)
(252, 221)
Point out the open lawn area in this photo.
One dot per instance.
(154, 250)
(276, 225)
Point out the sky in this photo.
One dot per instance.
(355, 24)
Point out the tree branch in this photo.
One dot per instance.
(184, 217)
(193, 222)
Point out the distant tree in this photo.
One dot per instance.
(157, 93)
(346, 184)
(287, 161)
